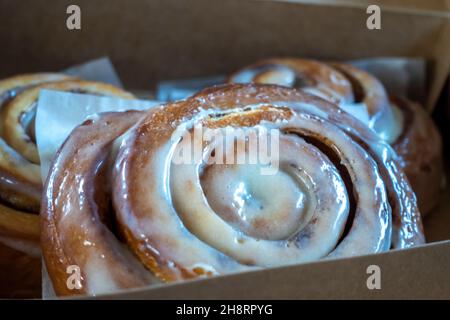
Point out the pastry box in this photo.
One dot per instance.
(150, 42)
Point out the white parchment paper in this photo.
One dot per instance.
(100, 69)
(58, 113)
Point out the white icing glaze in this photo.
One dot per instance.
(281, 76)
(202, 221)
(98, 278)
(179, 185)
(358, 110)
(395, 126)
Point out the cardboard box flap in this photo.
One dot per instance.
(408, 274)
(186, 39)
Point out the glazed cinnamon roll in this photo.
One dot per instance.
(182, 191)
(20, 180)
(401, 123)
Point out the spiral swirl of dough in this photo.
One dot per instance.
(338, 191)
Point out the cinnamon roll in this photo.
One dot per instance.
(139, 197)
(399, 122)
(20, 179)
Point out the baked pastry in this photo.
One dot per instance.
(322, 185)
(419, 150)
(20, 179)
(401, 123)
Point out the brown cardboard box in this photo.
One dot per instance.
(149, 41)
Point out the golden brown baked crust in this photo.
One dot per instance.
(26, 80)
(179, 222)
